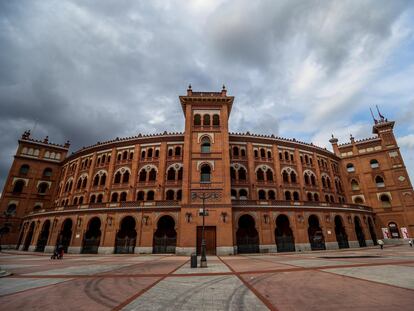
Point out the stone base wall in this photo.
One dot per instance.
(74, 249)
(143, 250)
(106, 250)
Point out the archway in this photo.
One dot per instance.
(316, 238)
(359, 233)
(395, 233)
(92, 237)
(43, 236)
(165, 238)
(247, 235)
(372, 231)
(126, 236)
(285, 241)
(29, 237)
(65, 235)
(340, 232)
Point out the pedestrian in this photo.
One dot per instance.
(381, 243)
(410, 241)
(60, 252)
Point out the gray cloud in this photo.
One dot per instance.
(88, 71)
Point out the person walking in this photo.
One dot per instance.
(410, 241)
(60, 252)
(381, 243)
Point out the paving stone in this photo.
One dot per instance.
(81, 270)
(12, 285)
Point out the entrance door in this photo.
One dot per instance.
(210, 236)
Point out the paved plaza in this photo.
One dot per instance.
(362, 279)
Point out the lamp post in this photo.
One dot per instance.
(203, 196)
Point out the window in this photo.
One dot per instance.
(350, 168)
(92, 199)
(316, 197)
(143, 175)
(243, 152)
(169, 195)
(117, 178)
(256, 153)
(233, 194)
(131, 156)
(179, 195)
(18, 186)
(235, 151)
(150, 195)
(205, 173)
(11, 209)
(296, 196)
(242, 174)
(216, 120)
(96, 180)
(307, 179)
(123, 197)
(269, 154)
(269, 175)
(47, 172)
(293, 177)
(84, 182)
(243, 194)
(205, 145)
(197, 120)
(125, 155)
(260, 174)
(374, 163)
(150, 151)
(177, 151)
(262, 195)
(114, 197)
(206, 120)
(152, 176)
(232, 173)
(288, 196)
(171, 174)
(379, 181)
(170, 152)
(309, 195)
(358, 200)
(285, 176)
(42, 188)
(103, 179)
(271, 195)
(157, 153)
(180, 174)
(385, 200)
(100, 198)
(140, 195)
(143, 154)
(262, 153)
(24, 169)
(354, 185)
(125, 177)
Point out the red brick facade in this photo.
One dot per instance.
(266, 194)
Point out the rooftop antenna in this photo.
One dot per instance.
(34, 126)
(379, 113)
(372, 114)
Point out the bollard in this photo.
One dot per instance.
(193, 260)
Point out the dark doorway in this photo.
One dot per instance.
(165, 238)
(359, 233)
(65, 235)
(92, 237)
(285, 242)
(372, 231)
(29, 237)
(395, 233)
(341, 236)
(126, 236)
(210, 235)
(43, 237)
(247, 236)
(316, 238)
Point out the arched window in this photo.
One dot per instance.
(18, 186)
(123, 197)
(42, 188)
(157, 153)
(269, 154)
(296, 196)
(197, 120)
(260, 174)
(150, 195)
(79, 183)
(150, 151)
(316, 197)
(171, 174)
(179, 195)
(170, 152)
(47, 172)
(262, 153)
(327, 198)
(143, 175)
(98, 161)
(232, 173)
(271, 195)
(323, 182)
(117, 178)
(131, 156)
(75, 201)
(125, 155)
(242, 174)
(143, 154)
(313, 180)
(374, 163)
(350, 168)
(262, 195)
(379, 181)
(309, 195)
(216, 120)
(243, 194)
(292, 177)
(92, 199)
(269, 175)
(24, 169)
(177, 151)
(288, 196)
(233, 194)
(152, 176)
(385, 200)
(180, 174)
(84, 182)
(100, 198)
(205, 145)
(118, 158)
(332, 199)
(96, 180)
(243, 152)
(354, 185)
(205, 173)
(358, 200)
(125, 177)
(114, 197)
(256, 153)
(11, 210)
(307, 182)
(103, 180)
(286, 156)
(328, 182)
(285, 176)
(206, 120)
(80, 200)
(169, 195)
(140, 196)
(103, 159)
(236, 151)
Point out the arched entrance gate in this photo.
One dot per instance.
(316, 238)
(247, 235)
(92, 237)
(126, 236)
(165, 238)
(285, 241)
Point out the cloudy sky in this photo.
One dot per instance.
(90, 71)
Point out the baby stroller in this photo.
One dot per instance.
(57, 253)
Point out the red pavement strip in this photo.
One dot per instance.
(133, 297)
(265, 301)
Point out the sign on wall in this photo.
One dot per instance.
(385, 233)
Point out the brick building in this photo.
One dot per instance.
(265, 194)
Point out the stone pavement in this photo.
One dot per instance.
(362, 279)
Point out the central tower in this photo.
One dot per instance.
(207, 159)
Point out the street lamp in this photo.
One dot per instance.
(203, 196)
